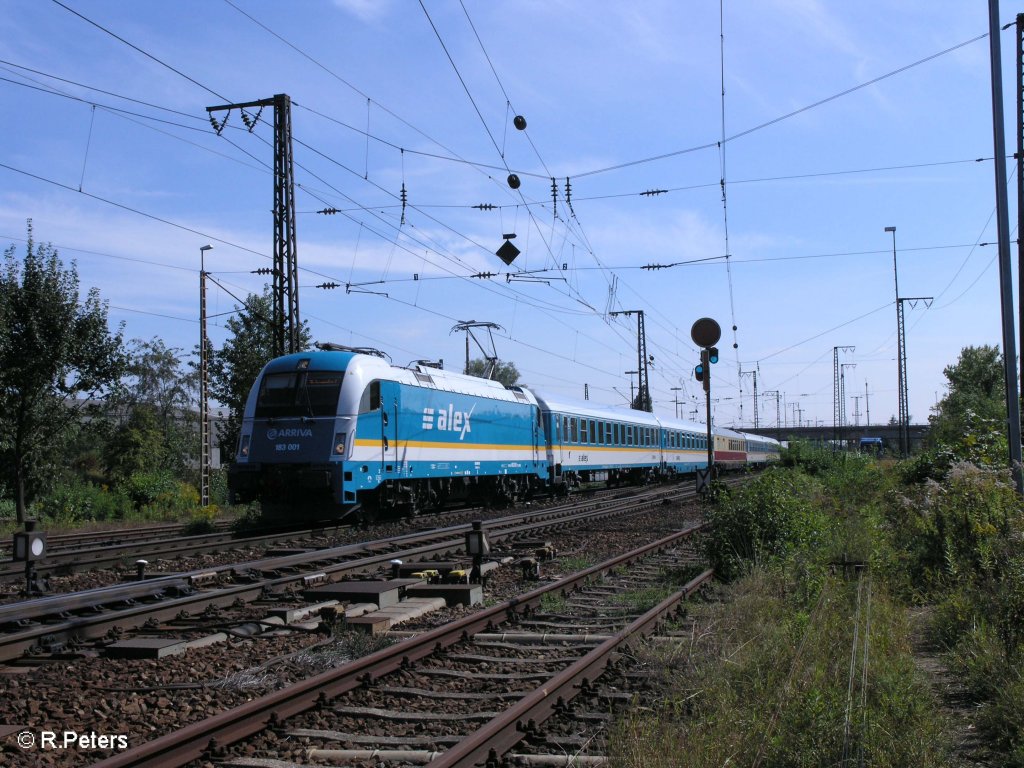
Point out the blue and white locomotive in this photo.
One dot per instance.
(331, 431)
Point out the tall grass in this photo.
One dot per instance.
(807, 659)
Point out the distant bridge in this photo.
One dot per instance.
(849, 435)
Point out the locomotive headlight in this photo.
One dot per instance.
(244, 447)
(339, 444)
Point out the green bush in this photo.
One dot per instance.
(933, 464)
(764, 519)
(201, 521)
(159, 495)
(814, 460)
(953, 532)
(1002, 717)
(74, 501)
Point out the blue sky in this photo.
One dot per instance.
(621, 98)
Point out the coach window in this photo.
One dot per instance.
(370, 401)
(573, 427)
(593, 432)
(565, 429)
(583, 431)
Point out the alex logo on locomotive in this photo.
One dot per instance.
(449, 420)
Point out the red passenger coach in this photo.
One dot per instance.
(730, 450)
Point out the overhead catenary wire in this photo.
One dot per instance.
(725, 207)
(557, 244)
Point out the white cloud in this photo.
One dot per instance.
(365, 10)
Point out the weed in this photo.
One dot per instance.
(554, 603)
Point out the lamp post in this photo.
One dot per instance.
(204, 381)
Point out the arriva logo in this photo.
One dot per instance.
(448, 421)
(274, 434)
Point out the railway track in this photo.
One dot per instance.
(462, 694)
(83, 539)
(95, 550)
(110, 553)
(63, 623)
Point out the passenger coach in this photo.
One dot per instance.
(730, 449)
(590, 443)
(762, 450)
(684, 446)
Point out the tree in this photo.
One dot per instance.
(506, 373)
(155, 408)
(235, 367)
(971, 419)
(642, 401)
(56, 354)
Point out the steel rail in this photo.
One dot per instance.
(74, 629)
(206, 737)
(498, 736)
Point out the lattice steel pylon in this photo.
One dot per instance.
(285, 319)
(643, 397)
(901, 364)
(837, 394)
(904, 425)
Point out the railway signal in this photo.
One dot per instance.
(702, 371)
(29, 546)
(705, 334)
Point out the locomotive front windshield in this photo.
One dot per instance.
(299, 393)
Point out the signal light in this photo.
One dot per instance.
(713, 354)
(698, 372)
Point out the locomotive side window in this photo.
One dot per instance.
(299, 393)
(370, 400)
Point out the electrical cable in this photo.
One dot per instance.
(144, 53)
(786, 116)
